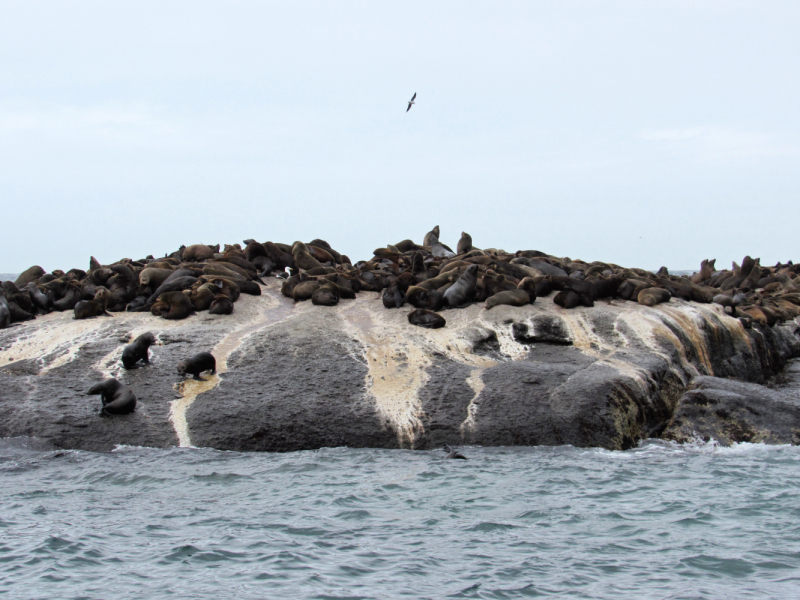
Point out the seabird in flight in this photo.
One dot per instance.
(411, 102)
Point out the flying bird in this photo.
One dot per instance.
(411, 102)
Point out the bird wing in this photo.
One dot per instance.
(409, 107)
(414, 96)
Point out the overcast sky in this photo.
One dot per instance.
(642, 133)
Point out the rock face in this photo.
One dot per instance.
(297, 376)
(733, 411)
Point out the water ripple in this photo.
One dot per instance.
(661, 521)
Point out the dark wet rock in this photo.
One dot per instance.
(734, 411)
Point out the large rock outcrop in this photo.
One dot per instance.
(297, 376)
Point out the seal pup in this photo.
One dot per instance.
(138, 350)
(204, 361)
(118, 399)
(453, 453)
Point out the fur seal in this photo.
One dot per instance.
(5, 311)
(464, 244)
(28, 275)
(199, 363)
(43, 302)
(199, 253)
(303, 258)
(516, 297)
(463, 289)
(86, 309)
(150, 279)
(438, 249)
(426, 318)
(426, 241)
(304, 290)
(453, 453)
(419, 297)
(173, 285)
(118, 399)
(178, 305)
(326, 295)
(221, 305)
(123, 287)
(138, 350)
(652, 296)
(394, 296)
(69, 292)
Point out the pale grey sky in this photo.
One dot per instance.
(643, 133)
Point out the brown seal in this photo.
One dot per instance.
(464, 244)
(510, 297)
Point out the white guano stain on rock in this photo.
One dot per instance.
(256, 313)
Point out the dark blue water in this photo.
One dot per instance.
(660, 521)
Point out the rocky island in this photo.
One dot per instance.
(534, 350)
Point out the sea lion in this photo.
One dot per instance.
(198, 364)
(43, 302)
(179, 305)
(426, 318)
(86, 309)
(326, 294)
(510, 297)
(464, 244)
(198, 253)
(138, 350)
(221, 305)
(118, 399)
(463, 289)
(5, 311)
(652, 296)
(426, 241)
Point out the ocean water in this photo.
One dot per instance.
(659, 521)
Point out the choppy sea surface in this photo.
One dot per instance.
(659, 521)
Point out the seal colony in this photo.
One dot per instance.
(419, 346)
(428, 276)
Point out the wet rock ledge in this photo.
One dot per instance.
(295, 376)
